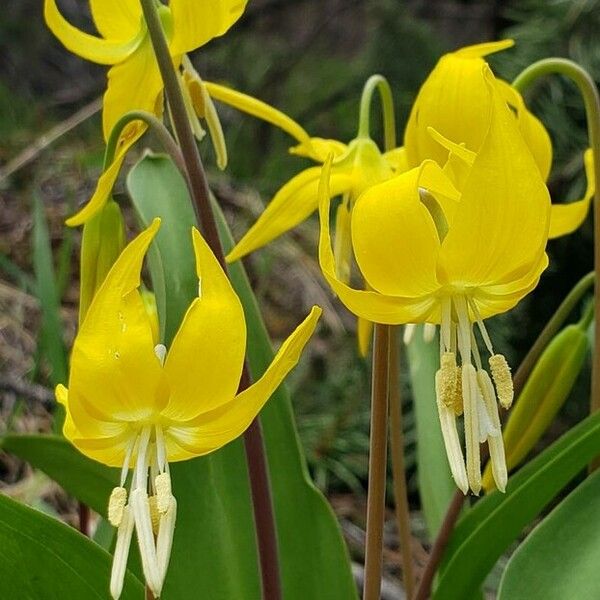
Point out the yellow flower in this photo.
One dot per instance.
(454, 101)
(356, 166)
(134, 81)
(133, 404)
(453, 246)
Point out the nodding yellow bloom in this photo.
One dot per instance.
(454, 101)
(452, 247)
(356, 166)
(134, 80)
(134, 404)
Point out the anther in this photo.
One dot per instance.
(502, 379)
(116, 505)
(154, 514)
(457, 399)
(163, 492)
(447, 387)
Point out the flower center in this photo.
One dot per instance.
(468, 389)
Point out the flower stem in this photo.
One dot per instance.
(387, 106)
(584, 82)
(398, 466)
(377, 463)
(255, 450)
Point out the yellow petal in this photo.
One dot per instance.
(500, 227)
(397, 160)
(214, 429)
(366, 304)
(196, 23)
(134, 84)
(204, 363)
(364, 334)
(117, 19)
(318, 149)
(566, 218)
(90, 47)
(131, 134)
(115, 375)
(259, 109)
(481, 50)
(293, 203)
(394, 236)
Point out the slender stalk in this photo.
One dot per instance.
(84, 519)
(377, 463)
(387, 106)
(584, 82)
(398, 466)
(254, 444)
(551, 329)
(441, 541)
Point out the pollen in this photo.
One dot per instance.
(116, 505)
(154, 514)
(448, 378)
(457, 399)
(163, 492)
(502, 379)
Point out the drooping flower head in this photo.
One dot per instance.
(134, 404)
(454, 246)
(134, 80)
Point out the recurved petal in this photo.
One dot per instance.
(90, 47)
(257, 108)
(366, 304)
(566, 218)
(394, 236)
(214, 429)
(481, 50)
(318, 149)
(204, 363)
(117, 19)
(134, 84)
(196, 23)
(500, 227)
(293, 203)
(115, 374)
(106, 182)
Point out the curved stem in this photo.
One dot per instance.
(156, 126)
(551, 329)
(256, 460)
(584, 82)
(398, 466)
(387, 107)
(377, 463)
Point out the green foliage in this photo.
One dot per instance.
(559, 558)
(43, 558)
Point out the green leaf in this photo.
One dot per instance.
(214, 551)
(488, 529)
(559, 559)
(436, 486)
(41, 557)
(47, 293)
(85, 479)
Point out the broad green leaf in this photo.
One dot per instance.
(436, 486)
(87, 480)
(214, 551)
(488, 529)
(559, 558)
(41, 557)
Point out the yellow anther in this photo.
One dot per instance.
(154, 514)
(457, 399)
(163, 492)
(502, 379)
(116, 505)
(447, 386)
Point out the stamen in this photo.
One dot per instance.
(470, 392)
(451, 439)
(161, 453)
(447, 378)
(457, 399)
(429, 330)
(141, 466)
(125, 467)
(121, 554)
(464, 330)
(163, 492)
(154, 514)
(502, 379)
(446, 323)
(116, 506)
(409, 331)
(484, 334)
(495, 441)
(164, 541)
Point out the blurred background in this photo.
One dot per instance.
(310, 58)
